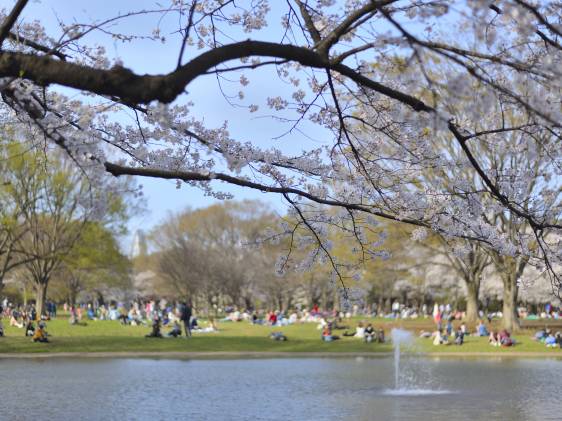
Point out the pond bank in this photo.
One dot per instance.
(265, 354)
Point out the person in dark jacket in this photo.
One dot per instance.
(29, 328)
(370, 333)
(459, 336)
(176, 330)
(186, 317)
(156, 328)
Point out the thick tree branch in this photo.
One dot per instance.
(308, 22)
(136, 89)
(10, 20)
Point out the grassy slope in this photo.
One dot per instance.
(109, 336)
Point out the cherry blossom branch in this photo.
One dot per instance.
(117, 170)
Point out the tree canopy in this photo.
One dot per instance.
(387, 80)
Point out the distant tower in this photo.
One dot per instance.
(139, 247)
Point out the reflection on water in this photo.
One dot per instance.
(279, 389)
(415, 392)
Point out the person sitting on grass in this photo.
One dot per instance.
(14, 319)
(278, 336)
(255, 319)
(327, 334)
(380, 336)
(1, 329)
(550, 341)
(40, 334)
(134, 318)
(165, 317)
(123, 316)
(29, 328)
(505, 338)
(193, 324)
(211, 327)
(541, 335)
(176, 330)
(494, 339)
(156, 326)
(359, 331)
(75, 319)
(272, 319)
(459, 337)
(482, 331)
(425, 334)
(439, 338)
(558, 337)
(370, 333)
(336, 325)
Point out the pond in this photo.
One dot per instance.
(281, 389)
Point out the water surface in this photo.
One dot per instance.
(280, 389)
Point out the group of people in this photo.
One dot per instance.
(19, 316)
(38, 334)
(25, 319)
(447, 336)
(174, 317)
(501, 338)
(368, 333)
(549, 338)
(278, 318)
(183, 313)
(182, 316)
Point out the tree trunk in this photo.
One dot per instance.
(72, 294)
(510, 319)
(471, 302)
(387, 306)
(324, 304)
(289, 301)
(101, 300)
(24, 294)
(40, 298)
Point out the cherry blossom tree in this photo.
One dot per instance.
(383, 78)
(468, 260)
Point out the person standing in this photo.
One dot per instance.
(186, 317)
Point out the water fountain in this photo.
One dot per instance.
(403, 338)
(399, 337)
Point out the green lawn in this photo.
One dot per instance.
(107, 336)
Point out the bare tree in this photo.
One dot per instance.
(213, 252)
